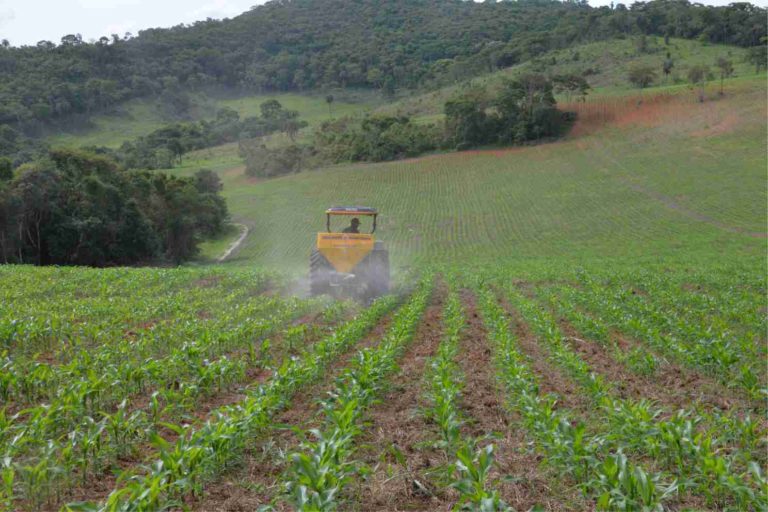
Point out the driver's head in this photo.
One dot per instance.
(355, 222)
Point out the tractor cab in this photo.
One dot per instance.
(347, 261)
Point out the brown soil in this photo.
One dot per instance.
(257, 481)
(671, 386)
(483, 401)
(396, 425)
(550, 378)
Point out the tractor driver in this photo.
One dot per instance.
(353, 226)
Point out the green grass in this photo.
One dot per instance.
(214, 248)
(139, 117)
(604, 64)
(682, 187)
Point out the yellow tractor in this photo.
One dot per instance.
(347, 263)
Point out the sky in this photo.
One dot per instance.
(29, 21)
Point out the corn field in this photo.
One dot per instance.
(483, 389)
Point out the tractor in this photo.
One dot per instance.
(349, 264)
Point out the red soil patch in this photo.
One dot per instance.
(639, 110)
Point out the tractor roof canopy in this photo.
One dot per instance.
(351, 210)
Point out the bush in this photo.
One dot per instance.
(523, 110)
(77, 208)
(641, 75)
(264, 162)
(374, 139)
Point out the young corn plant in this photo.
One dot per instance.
(198, 453)
(691, 452)
(563, 442)
(323, 466)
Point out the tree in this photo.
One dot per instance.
(329, 101)
(757, 56)
(726, 70)
(208, 182)
(466, 122)
(6, 169)
(641, 75)
(698, 76)
(667, 66)
(571, 84)
(271, 109)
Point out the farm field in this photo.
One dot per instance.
(665, 178)
(204, 389)
(573, 325)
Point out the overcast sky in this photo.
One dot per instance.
(29, 21)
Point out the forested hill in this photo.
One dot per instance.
(305, 44)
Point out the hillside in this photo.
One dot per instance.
(667, 178)
(302, 45)
(604, 65)
(140, 116)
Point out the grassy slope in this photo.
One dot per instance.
(139, 117)
(609, 62)
(676, 181)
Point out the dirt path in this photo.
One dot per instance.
(529, 484)
(257, 481)
(394, 440)
(232, 248)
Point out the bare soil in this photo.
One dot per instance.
(395, 441)
(529, 484)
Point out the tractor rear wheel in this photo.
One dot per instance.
(378, 273)
(319, 274)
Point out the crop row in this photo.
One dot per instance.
(198, 453)
(611, 478)
(137, 362)
(471, 471)
(323, 466)
(80, 429)
(679, 442)
(64, 319)
(694, 344)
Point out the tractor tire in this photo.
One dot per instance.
(319, 274)
(378, 272)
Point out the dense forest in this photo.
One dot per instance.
(76, 208)
(295, 45)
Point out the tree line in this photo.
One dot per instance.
(296, 45)
(521, 110)
(77, 208)
(165, 147)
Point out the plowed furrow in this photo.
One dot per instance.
(395, 438)
(528, 484)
